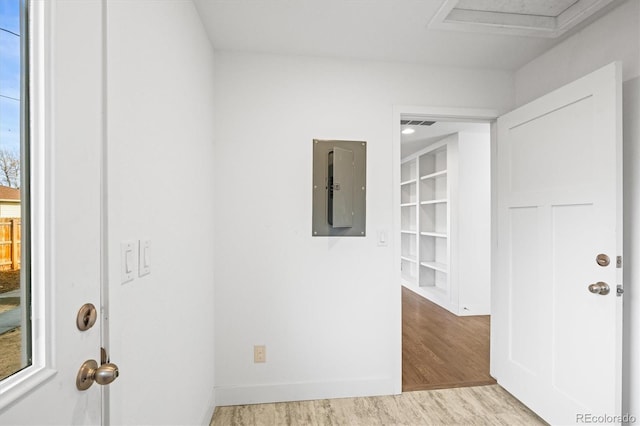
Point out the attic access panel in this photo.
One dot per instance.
(339, 188)
(540, 18)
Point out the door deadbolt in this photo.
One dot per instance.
(90, 373)
(87, 316)
(599, 288)
(602, 260)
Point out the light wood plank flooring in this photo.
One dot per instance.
(483, 405)
(441, 350)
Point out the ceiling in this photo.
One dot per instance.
(386, 30)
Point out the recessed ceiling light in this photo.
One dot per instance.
(408, 131)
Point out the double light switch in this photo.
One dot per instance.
(134, 256)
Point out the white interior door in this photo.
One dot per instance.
(557, 346)
(66, 145)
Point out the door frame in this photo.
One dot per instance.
(436, 114)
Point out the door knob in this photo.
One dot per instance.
(90, 372)
(599, 288)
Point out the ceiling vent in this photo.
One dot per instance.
(539, 18)
(416, 122)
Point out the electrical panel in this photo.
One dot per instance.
(339, 188)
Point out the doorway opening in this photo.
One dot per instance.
(445, 251)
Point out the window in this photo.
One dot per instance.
(15, 305)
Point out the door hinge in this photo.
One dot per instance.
(619, 290)
(618, 261)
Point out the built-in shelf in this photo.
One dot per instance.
(442, 267)
(425, 253)
(424, 196)
(434, 234)
(439, 290)
(434, 175)
(447, 259)
(406, 231)
(434, 201)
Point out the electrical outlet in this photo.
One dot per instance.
(259, 353)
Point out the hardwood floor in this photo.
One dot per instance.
(441, 350)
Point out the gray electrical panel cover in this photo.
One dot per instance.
(339, 188)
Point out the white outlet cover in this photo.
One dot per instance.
(259, 354)
(383, 239)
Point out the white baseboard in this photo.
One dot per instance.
(260, 394)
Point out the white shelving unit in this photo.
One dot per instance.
(409, 222)
(436, 260)
(433, 193)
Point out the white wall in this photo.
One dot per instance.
(327, 309)
(613, 37)
(474, 223)
(616, 36)
(160, 158)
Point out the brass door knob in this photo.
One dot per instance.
(599, 288)
(90, 372)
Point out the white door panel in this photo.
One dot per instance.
(555, 345)
(66, 91)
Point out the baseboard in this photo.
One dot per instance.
(283, 392)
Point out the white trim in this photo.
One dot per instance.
(444, 114)
(436, 114)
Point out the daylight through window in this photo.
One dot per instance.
(15, 339)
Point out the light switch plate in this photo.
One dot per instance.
(383, 239)
(144, 257)
(127, 261)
